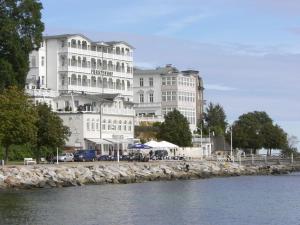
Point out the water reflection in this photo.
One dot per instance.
(239, 200)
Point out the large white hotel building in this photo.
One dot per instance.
(89, 84)
(95, 90)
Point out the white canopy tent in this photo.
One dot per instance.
(153, 144)
(161, 145)
(167, 144)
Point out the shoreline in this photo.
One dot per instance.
(66, 175)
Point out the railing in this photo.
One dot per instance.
(258, 160)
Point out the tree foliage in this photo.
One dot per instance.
(20, 33)
(255, 130)
(175, 129)
(215, 120)
(18, 118)
(51, 132)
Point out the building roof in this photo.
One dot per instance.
(66, 36)
(168, 69)
(107, 43)
(119, 42)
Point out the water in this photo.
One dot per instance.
(237, 200)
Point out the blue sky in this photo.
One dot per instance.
(247, 51)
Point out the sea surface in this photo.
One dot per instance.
(255, 200)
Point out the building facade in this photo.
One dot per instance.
(89, 84)
(161, 90)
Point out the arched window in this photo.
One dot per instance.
(93, 81)
(128, 85)
(105, 82)
(79, 80)
(73, 79)
(79, 61)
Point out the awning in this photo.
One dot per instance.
(98, 141)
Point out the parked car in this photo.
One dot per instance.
(85, 155)
(105, 158)
(65, 157)
(138, 156)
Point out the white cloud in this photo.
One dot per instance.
(180, 24)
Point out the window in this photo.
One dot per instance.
(43, 80)
(141, 82)
(103, 124)
(120, 125)
(88, 124)
(43, 61)
(151, 81)
(109, 125)
(173, 80)
(168, 95)
(62, 44)
(97, 125)
(141, 97)
(76, 102)
(168, 80)
(163, 96)
(173, 95)
(151, 97)
(125, 125)
(163, 81)
(93, 124)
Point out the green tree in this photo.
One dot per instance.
(247, 131)
(215, 120)
(274, 137)
(18, 118)
(20, 33)
(175, 129)
(51, 133)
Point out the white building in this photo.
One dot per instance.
(89, 84)
(159, 91)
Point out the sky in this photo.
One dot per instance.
(247, 51)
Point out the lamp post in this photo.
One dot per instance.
(231, 141)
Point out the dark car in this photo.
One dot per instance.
(85, 155)
(161, 154)
(105, 158)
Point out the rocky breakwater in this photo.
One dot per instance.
(42, 176)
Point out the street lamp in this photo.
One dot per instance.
(231, 141)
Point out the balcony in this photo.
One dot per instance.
(42, 93)
(148, 119)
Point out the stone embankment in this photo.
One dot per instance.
(63, 175)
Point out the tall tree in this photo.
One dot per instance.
(20, 33)
(175, 129)
(247, 130)
(51, 131)
(274, 137)
(18, 118)
(215, 120)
